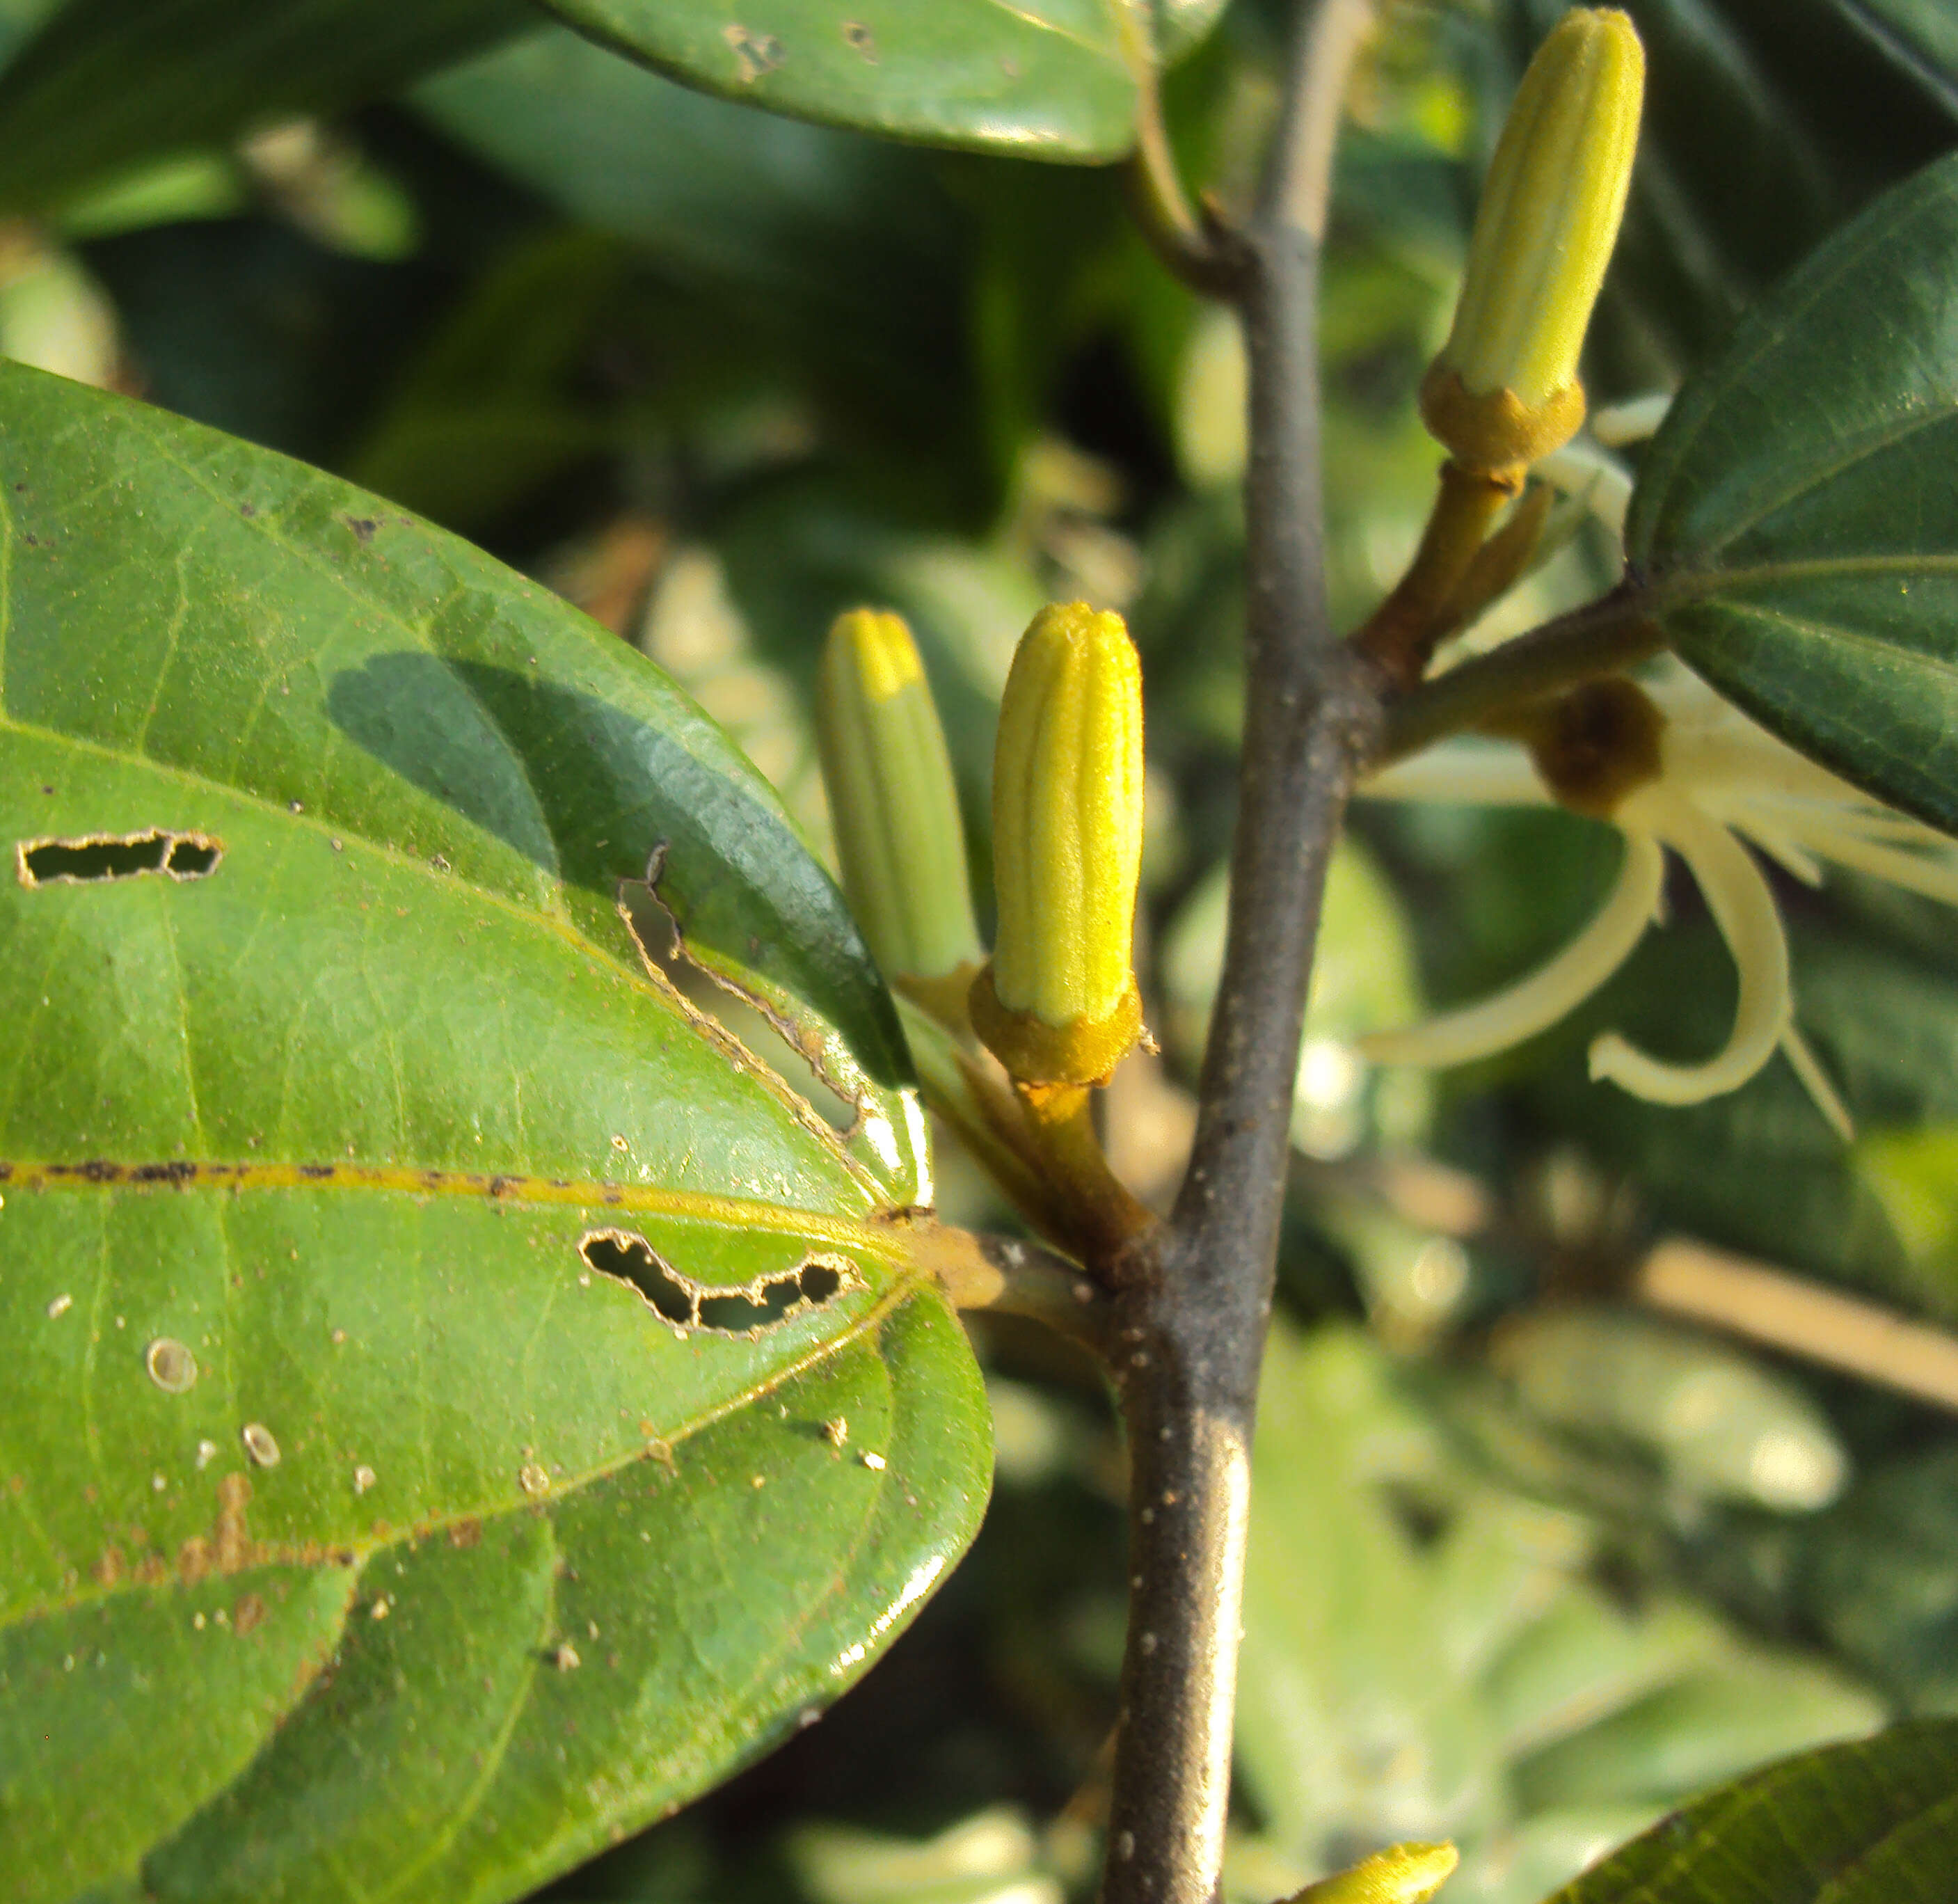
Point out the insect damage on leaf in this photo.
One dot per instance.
(667, 958)
(627, 1257)
(95, 857)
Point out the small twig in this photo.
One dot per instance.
(1604, 637)
(1782, 1311)
(1194, 1297)
(1180, 240)
(1061, 1120)
(1013, 1277)
(1298, 179)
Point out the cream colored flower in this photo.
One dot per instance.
(1723, 785)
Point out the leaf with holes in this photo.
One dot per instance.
(1875, 1822)
(1796, 517)
(462, 1401)
(1039, 79)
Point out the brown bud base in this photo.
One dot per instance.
(1493, 430)
(1593, 747)
(1035, 1051)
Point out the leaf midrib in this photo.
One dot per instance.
(903, 1289)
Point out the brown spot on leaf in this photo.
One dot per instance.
(249, 1612)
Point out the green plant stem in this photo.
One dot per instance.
(1193, 1297)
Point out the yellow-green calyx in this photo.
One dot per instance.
(1504, 390)
(1401, 1874)
(1058, 1004)
(892, 801)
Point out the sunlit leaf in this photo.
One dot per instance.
(461, 1403)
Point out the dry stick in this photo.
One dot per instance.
(1780, 1311)
(1194, 1296)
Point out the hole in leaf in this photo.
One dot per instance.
(628, 1257)
(97, 856)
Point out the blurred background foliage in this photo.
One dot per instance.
(1531, 1563)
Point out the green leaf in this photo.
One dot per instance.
(1922, 36)
(463, 1405)
(1872, 1822)
(1795, 516)
(1042, 79)
(110, 84)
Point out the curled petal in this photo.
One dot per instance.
(1743, 908)
(1815, 1081)
(1537, 1002)
(1935, 877)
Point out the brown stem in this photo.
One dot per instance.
(1194, 1296)
(1062, 1120)
(1604, 637)
(1401, 633)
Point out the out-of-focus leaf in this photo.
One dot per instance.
(1794, 514)
(1348, 1720)
(1879, 1574)
(1724, 1426)
(1920, 35)
(463, 1404)
(1047, 79)
(1875, 1822)
(1712, 1724)
(721, 197)
(110, 84)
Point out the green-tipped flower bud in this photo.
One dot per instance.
(1504, 389)
(1401, 1874)
(1058, 1003)
(892, 802)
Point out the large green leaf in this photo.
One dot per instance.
(1871, 1822)
(1045, 79)
(1796, 517)
(365, 1530)
(111, 82)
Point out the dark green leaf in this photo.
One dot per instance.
(1044, 79)
(1922, 36)
(413, 1469)
(1872, 1822)
(111, 82)
(1796, 514)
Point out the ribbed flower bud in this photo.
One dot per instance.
(1504, 390)
(892, 802)
(1058, 1003)
(1401, 1874)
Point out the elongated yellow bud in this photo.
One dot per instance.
(1401, 1874)
(892, 802)
(1058, 1003)
(1504, 390)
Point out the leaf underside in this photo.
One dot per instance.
(464, 1403)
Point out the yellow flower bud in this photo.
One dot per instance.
(1504, 390)
(892, 802)
(1058, 1003)
(1401, 1874)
